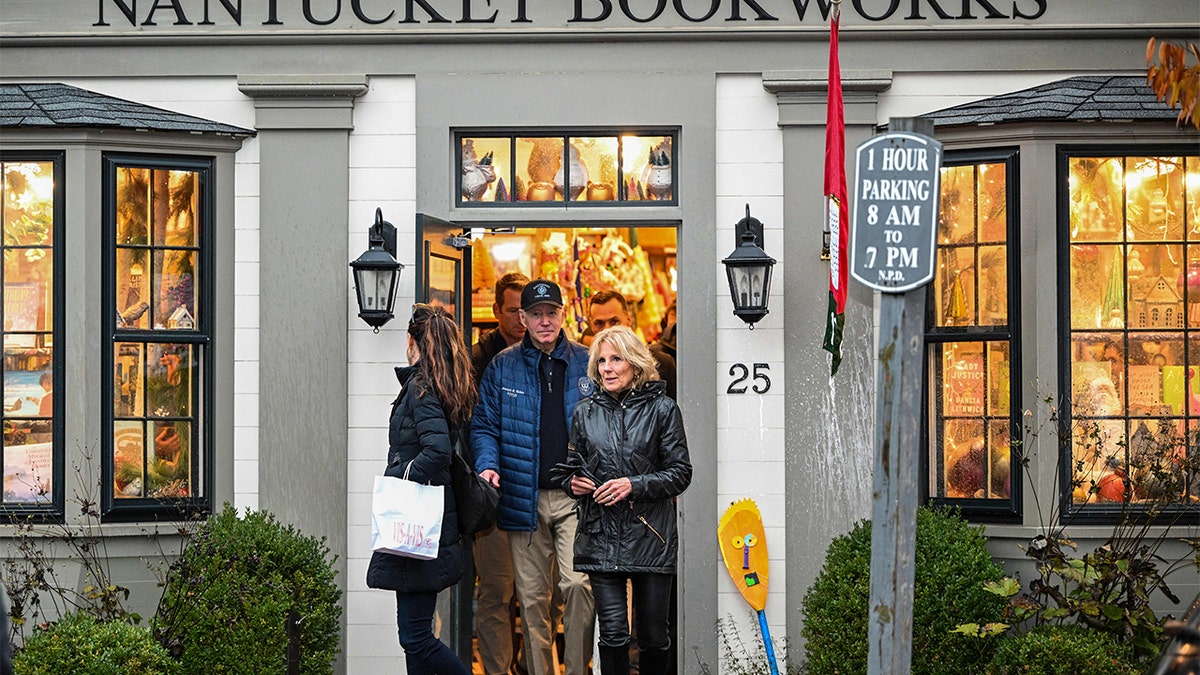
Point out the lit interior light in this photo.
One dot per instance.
(634, 151)
(1192, 180)
(39, 189)
(1146, 170)
(508, 251)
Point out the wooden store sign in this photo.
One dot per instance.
(43, 18)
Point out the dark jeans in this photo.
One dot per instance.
(651, 605)
(423, 653)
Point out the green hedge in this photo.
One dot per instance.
(1062, 650)
(224, 607)
(952, 564)
(81, 645)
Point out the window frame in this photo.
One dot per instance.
(975, 509)
(1092, 512)
(565, 133)
(54, 509)
(201, 338)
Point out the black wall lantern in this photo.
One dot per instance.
(749, 271)
(377, 274)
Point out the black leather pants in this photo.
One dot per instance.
(651, 602)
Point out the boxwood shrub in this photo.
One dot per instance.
(224, 606)
(1053, 649)
(951, 566)
(81, 645)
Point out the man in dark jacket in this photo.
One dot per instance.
(610, 308)
(493, 562)
(509, 330)
(518, 433)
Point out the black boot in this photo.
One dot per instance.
(614, 660)
(654, 661)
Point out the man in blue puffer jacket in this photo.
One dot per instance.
(518, 433)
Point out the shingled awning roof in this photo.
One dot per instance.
(55, 105)
(1092, 98)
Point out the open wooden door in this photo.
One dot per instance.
(444, 268)
(444, 278)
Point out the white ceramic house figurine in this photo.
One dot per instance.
(578, 175)
(477, 174)
(658, 176)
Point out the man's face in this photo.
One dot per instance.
(508, 313)
(608, 315)
(543, 321)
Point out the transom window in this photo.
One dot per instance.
(1131, 306)
(593, 168)
(31, 193)
(158, 293)
(970, 346)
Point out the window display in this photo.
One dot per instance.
(624, 168)
(28, 411)
(969, 342)
(157, 289)
(1134, 311)
(637, 262)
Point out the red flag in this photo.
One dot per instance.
(837, 219)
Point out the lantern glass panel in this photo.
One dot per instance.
(750, 285)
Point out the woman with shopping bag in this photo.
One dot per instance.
(434, 403)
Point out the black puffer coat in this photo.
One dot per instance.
(640, 437)
(418, 432)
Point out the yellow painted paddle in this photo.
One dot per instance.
(744, 548)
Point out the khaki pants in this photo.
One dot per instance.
(533, 556)
(493, 598)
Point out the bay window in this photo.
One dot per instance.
(1130, 309)
(158, 293)
(31, 192)
(972, 407)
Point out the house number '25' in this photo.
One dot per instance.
(740, 373)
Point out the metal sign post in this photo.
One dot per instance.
(894, 211)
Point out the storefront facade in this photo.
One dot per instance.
(337, 108)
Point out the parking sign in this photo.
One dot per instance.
(895, 210)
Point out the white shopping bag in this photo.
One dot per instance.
(406, 517)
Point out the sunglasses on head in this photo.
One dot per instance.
(423, 312)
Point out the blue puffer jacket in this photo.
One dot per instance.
(505, 428)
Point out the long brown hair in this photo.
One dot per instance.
(444, 362)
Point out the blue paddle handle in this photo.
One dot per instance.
(766, 634)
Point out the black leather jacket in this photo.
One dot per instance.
(640, 437)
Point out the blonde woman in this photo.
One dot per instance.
(627, 461)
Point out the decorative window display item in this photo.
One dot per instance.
(970, 344)
(597, 167)
(1132, 308)
(159, 234)
(638, 262)
(31, 457)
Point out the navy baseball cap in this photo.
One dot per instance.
(541, 292)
